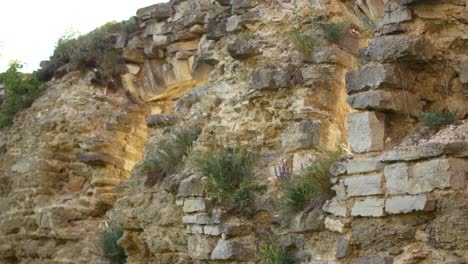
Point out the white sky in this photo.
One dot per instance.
(29, 29)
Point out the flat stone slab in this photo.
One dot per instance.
(386, 101)
(370, 77)
(369, 207)
(363, 185)
(429, 150)
(394, 48)
(407, 204)
(361, 165)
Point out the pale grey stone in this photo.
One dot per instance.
(395, 13)
(361, 165)
(386, 101)
(160, 40)
(192, 205)
(396, 178)
(215, 27)
(271, 77)
(301, 135)
(240, 6)
(192, 186)
(200, 219)
(336, 208)
(212, 230)
(242, 48)
(369, 207)
(362, 185)
(233, 23)
(372, 77)
(308, 221)
(437, 173)
(407, 203)
(338, 168)
(195, 229)
(366, 131)
(158, 11)
(342, 248)
(413, 152)
(200, 246)
(400, 48)
(313, 74)
(463, 72)
(230, 250)
(334, 225)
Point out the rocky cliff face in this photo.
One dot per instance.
(230, 68)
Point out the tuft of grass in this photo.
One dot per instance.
(20, 91)
(437, 118)
(229, 172)
(168, 155)
(273, 253)
(334, 32)
(304, 42)
(109, 246)
(311, 187)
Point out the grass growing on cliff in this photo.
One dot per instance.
(93, 50)
(437, 119)
(111, 250)
(168, 155)
(20, 92)
(311, 187)
(273, 253)
(229, 172)
(306, 37)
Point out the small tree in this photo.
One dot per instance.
(20, 91)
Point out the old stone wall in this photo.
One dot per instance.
(231, 69)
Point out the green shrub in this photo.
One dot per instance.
(20, 92)
(334, 32)
(229, 173)
(226, 169)
(93, 50)
(109, 246)
(437, 119)
(272, 253)
(310, 187)
(168, 155)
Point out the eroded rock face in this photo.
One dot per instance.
(62, 158)
(230, 69)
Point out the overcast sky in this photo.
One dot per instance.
(29, 29)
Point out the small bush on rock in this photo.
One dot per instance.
(437, 119)
(168, 155)
(109, 246)
(272, 253)
(93, 50)
(334, 32)
(311, 187)
(229, 172)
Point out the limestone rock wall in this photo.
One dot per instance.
(59, 164)
(229, 67)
